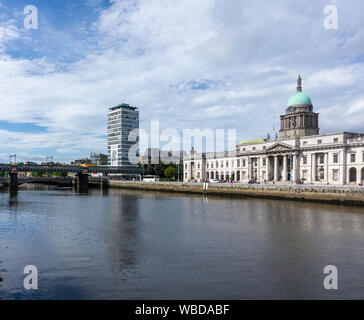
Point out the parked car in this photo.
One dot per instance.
(215, 181)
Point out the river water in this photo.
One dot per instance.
(120, 244)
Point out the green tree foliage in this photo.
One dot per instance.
(59, 174)
(160, 170)
(171, 173)
(38, 174)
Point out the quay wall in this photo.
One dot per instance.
(346, 195)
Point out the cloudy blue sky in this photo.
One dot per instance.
(187, 63)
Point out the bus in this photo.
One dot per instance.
(150, 178)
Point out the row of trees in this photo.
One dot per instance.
(45, 174)
(164, 171)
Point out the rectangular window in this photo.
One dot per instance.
(322, 159)
(208, 166)
(238, 163)
(217, 164)
(304, 143)
(335, 174)
(336, 158)
(198, 166)
(222, 164)
(336, 139)
(264, 162)
(186, 166)
(352, 157)
(304, 174)
(253, 148)
(227, 164)
(319, 141)
(304, 159)
(322, 174)
(244, 163)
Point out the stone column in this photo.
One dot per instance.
(285, 171)
(309, 169)
(249, 168)
(358, 175)
(267, 168)
(258, 169)
(326, 167)
(275, 168)
(343, 169)
(294, 169)
(313, 166)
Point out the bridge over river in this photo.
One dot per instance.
(81, 174)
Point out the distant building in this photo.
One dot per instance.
(98, 158)
(81, 161)
(300, 155)
(153, 154)
(122, 120)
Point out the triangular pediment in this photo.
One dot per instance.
(280, 147)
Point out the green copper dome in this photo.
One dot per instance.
(299, 98)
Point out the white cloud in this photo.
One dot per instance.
(147, 53)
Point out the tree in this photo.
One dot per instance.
(150, 170)
(170, 173)
(159, 169)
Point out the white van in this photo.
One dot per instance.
(150, 178)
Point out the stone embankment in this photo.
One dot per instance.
(347, 195)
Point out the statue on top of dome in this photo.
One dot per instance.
(299, 84)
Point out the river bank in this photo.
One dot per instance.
(345, 195)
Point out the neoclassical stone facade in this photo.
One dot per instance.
(299, 155)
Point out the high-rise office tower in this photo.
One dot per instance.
(122, 119)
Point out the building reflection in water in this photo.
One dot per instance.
(124, 233)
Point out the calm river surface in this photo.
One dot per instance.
(116, 244)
